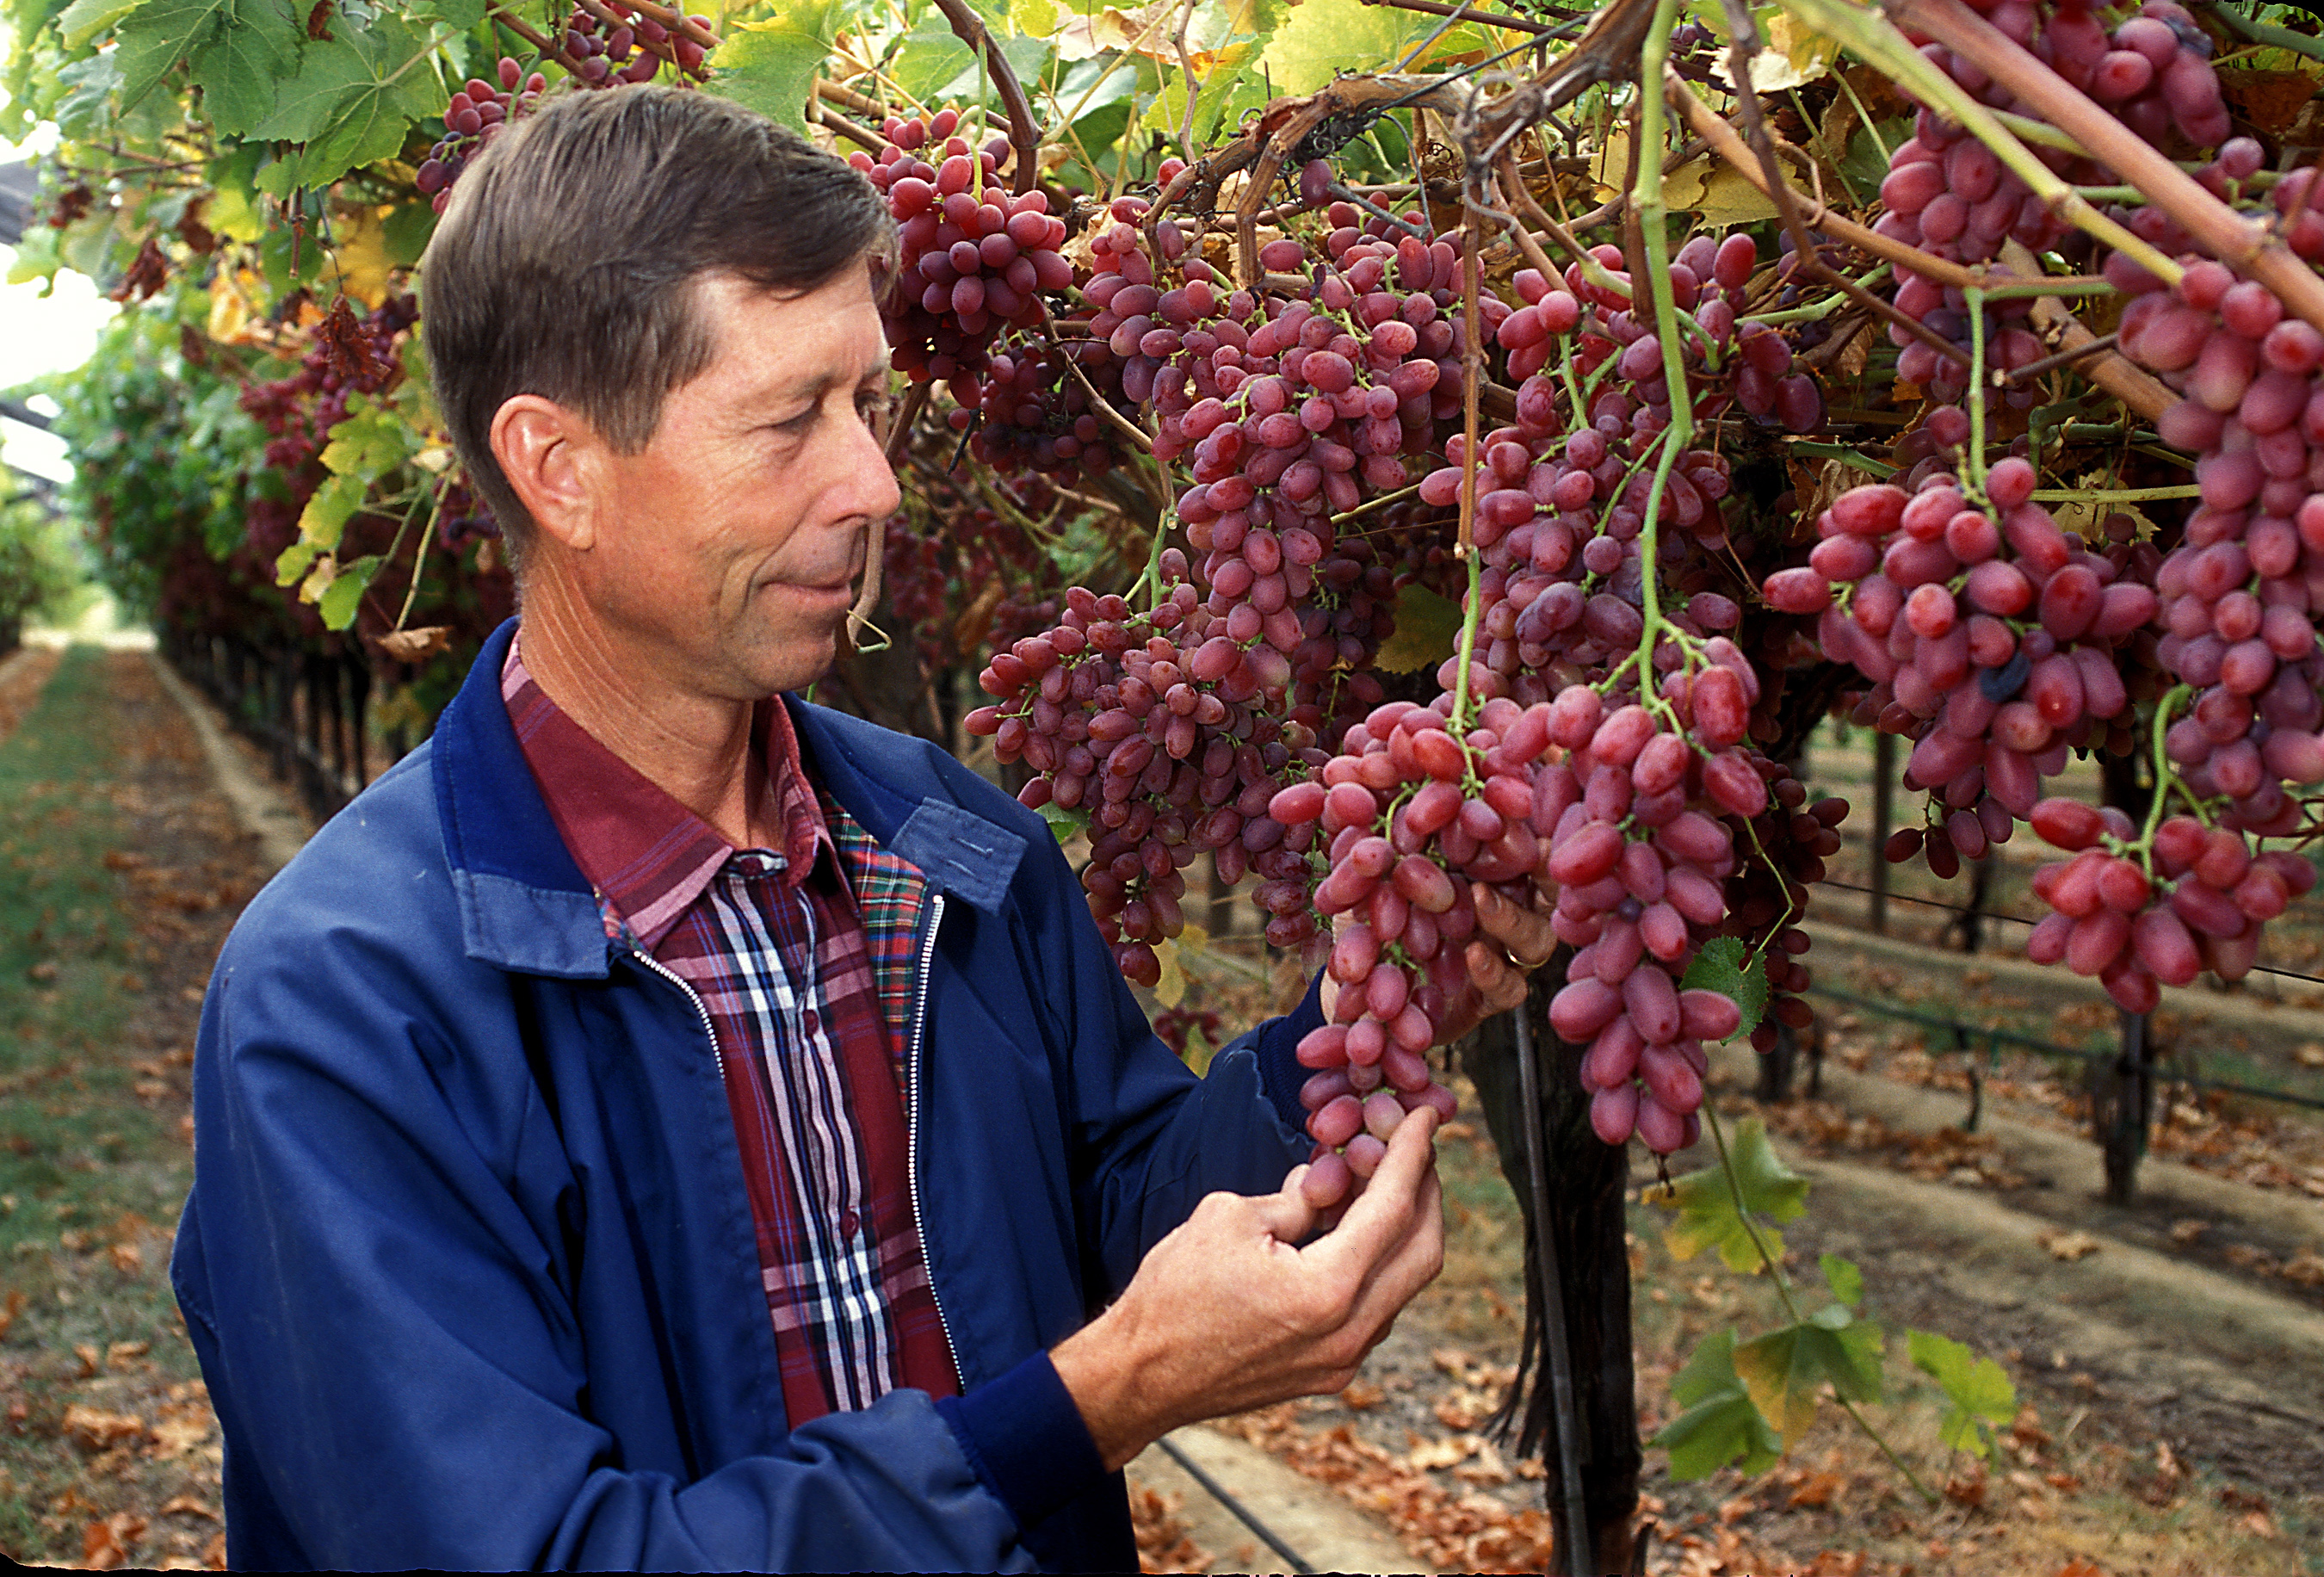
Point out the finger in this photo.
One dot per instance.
(1412, 1265)
(1382, 1214)
(1286, 1214)
(1523, 933)
(1500, 984)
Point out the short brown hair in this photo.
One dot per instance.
(565, 265)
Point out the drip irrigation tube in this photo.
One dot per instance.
(1243, 1513)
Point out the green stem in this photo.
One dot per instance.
(1973, 462)
(1784, 1292)
(2164, 775)
(2267, 33)
(2118, 496)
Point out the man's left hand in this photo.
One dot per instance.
(1511, 942)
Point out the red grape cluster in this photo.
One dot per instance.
(1950, 196)
(2138, 918)
(2154, 71)
(1030, 413)
(1286, 409)
(1413, 812)
(630, 48)
(2238, 594)
(1639, 850)
(1990, 637)
(473, 119)
(973, 260)
(1147, 722)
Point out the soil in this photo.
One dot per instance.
(109, 1456)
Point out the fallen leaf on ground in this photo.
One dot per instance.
(1818, 1489)
(2068, 1245)
(2183, 1232)
(190, 1507)
(104, 1544)
(93, 1429)
(176, 1434)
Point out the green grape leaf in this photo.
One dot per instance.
(1845, 1281)
(1720, 1422)
(352, 101)
(1977, 1390)
(372, 440)
(770, 65)
(463, 15)
(1321, 38)
(1726, 966)
(1428, 631)
(327, 514)
(238, 48)
(1064, 823)
(84, 20)
(1786, 1370)
(341, 598)
(1707, 1216)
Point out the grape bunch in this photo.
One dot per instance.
(1147, 722)
(1989, 635)
(1032, 414)
(2154, 70)
(2237, 594)
(1413, 812)
(630, 48)
(973, 260)
(2140, 916)
(474, 118)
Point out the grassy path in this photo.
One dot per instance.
(120, 870)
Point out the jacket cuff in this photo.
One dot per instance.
(1278, 1050)
(1026, 1439)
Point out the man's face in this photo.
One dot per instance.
(727, 548)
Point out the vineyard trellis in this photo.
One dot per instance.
(1402, 456)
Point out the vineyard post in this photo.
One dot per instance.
(1586, 1186)
(1883, 781)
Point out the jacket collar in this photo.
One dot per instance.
(524, 903)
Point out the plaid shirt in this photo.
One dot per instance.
(802, 958)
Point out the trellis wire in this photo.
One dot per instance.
(1996, 1036)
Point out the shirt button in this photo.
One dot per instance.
(849, 1223)
(809, 1022)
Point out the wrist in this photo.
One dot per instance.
(1111, 1383)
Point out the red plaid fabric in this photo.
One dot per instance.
(775, 945)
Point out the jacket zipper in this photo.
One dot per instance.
(912, 1122)
(717, 1052)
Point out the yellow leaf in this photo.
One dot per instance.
(1728, 200)
(319, 579)
(362, 256)
(1171, 988)
(233, 295)
(1792, 56)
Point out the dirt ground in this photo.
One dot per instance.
(122, 870)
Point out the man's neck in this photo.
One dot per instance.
(696, 749)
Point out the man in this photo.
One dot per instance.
(658, 1126)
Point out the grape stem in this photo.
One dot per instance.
(1973, 462)
(1472, 355)
(1784, 1293)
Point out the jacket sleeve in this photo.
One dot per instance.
(399, 1368)
(1152, 1139)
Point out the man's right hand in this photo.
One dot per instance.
(1226, 1313)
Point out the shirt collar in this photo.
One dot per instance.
(647, 856)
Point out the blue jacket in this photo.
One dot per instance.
(468, 1262)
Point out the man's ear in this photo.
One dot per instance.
(550, 456)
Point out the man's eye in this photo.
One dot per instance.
(872, 406)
